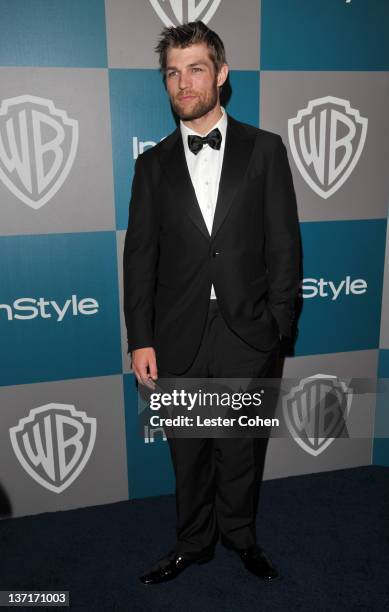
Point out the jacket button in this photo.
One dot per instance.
(214, 253)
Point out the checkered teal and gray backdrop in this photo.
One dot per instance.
(80, 99)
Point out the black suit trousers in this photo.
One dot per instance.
(218, 479)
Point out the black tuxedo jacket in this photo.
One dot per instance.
(252, 256)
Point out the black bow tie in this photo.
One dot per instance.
(213, 139)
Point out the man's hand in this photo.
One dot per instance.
(144, 364)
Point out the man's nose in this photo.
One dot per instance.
(184, 80)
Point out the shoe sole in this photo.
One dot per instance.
(200, 561)
(204, 559)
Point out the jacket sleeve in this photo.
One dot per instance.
(139, 262)
(282, 239)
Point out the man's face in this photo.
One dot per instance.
(192, 82)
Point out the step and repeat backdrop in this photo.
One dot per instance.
(80, 98)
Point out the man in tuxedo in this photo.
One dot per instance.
(211, 274)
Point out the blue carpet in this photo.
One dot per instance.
(327, 533)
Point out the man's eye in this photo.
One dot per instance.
(197, 69)
(172, 73)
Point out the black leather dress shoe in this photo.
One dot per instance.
(171, 566)
(256, 562)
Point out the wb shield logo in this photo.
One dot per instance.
(53, 444)
(38, 145)
(175, 12)
(326, 140)
(316, 412)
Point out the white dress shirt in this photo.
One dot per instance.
(205, 169)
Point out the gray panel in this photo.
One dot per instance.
(120, 236)
(103, 479)
(285, 457)
(133, 29)
(84, 201)
(364, 192)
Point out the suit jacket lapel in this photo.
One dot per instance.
(237, 153)
(176, 169)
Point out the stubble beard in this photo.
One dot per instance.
(201, 108)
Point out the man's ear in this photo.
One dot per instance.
(222, 75)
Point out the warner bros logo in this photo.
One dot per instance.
(38, 146)
(326, 140)
(53, 444)
(316, 412)
(176, 12)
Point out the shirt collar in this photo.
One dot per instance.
(221, 124)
